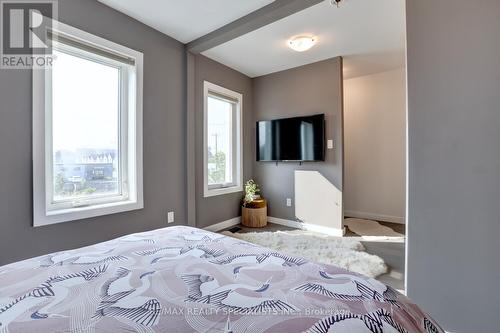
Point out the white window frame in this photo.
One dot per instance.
(45, 211)
(237, 184)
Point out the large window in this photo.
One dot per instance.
(222, 138)
(87, 129)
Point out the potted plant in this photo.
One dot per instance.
(251, 192)
(254, 210)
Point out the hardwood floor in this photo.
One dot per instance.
(394, 257)
(392, 253)
(271, 227)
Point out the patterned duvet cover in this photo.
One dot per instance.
(182, 279)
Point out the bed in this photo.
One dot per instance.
(182, 279)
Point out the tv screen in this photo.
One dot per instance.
(293, 139)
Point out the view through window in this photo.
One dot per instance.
(220, 141)
(86, 128)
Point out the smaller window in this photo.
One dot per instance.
(223, 168)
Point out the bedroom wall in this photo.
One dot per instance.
(225, 207)
(454, 161)
(310, 89)
(164, 142)
(375, 146)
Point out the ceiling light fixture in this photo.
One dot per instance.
(335, 2)
(302, 43)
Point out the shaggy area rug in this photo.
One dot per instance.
(341, 252)
(372, 230)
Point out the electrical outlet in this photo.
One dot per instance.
(330, 144)
(170, 217)
(289, 202)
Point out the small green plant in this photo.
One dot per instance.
(251, 190)
(218, 174)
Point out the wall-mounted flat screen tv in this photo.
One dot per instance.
(300, 139)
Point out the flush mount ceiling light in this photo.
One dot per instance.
(335, 2)
(302, 43)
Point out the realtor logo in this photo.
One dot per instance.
(24, 27)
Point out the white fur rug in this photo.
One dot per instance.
(336, 251)
(372, 230)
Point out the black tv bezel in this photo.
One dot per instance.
(291, 161)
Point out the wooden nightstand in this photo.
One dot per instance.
(254, 215)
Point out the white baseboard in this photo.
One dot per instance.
(288, 223)
(307, 226)
(373, 216)
(223, 225)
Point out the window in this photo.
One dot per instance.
(222, 141)
(87, 129)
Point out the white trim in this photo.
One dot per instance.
(307, 226)
(374, 216)
(133, 200)
(223, 190)
(238, 181)
(223, 225)
(407, 165)
(288, 223)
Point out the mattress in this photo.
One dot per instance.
(182, 279)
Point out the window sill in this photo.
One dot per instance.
(79, 213)
(221, 191)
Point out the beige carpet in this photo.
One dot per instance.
(341, 252)
(372, 230)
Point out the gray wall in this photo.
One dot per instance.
(454, 161)
(310, 89)
(223, 207)
(375, 146)
(164, 142)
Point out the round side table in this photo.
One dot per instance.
(254, 214)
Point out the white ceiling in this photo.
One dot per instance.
(369, 34)
(186, 20)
